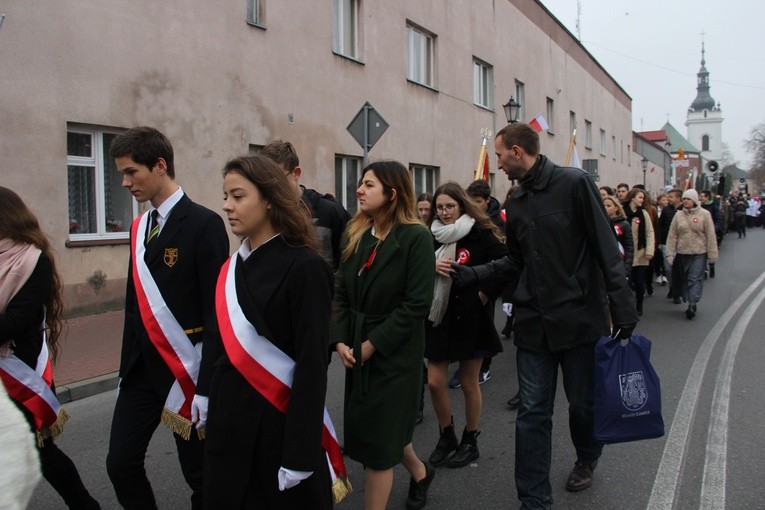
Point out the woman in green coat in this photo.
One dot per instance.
(384, 291)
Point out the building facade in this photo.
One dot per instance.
(222, 80)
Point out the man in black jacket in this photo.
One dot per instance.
(564, 257)
(665, 220)
(329, 216)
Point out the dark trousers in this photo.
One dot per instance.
(638, 278)
(538, 379)
(136, 417)
(61, 473)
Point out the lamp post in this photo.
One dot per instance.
(512, 109)
(644, 162)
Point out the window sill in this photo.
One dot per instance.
(482, 107)
(348, 57)
(86, 243)
(423, 85)
(256, 24)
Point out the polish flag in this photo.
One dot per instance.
(539, 124)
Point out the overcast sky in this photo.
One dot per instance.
(652, 48)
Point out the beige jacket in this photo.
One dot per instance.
(642, 257)
(692, 232)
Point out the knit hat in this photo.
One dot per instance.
(691, 193)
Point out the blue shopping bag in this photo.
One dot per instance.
(627, 391)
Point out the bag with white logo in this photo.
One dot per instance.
(627, 391)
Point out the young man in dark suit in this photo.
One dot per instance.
(177, 249)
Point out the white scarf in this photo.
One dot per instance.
(447, 235)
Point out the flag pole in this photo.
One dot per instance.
(482, 154)
(570, 148)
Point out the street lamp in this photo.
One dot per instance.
(512, 109)
(644, 162)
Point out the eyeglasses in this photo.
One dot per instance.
(449, 208)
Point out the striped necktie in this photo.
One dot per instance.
(153, 226)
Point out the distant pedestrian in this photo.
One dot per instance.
(423, 207)
(384, 290)
(31, 311)
(674, 204)
(168, 346)
(643, 240)
(623, 231)
(739, 215)
(691, 243)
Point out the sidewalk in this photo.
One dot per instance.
(90, 356)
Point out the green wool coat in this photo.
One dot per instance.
(387, 305)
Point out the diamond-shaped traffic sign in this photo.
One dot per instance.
(375, 126)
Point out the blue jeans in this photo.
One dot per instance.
(538, 379)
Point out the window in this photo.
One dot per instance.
(571, 122)
(483, 84)
(587, 134)
(98, 206)
(629, 155)
(602, 142)
(550, 115)
(346, 28)
(425, 178)
(520, 97)
(420, 56)
(256, 13)
(705, 143)
(347, 177)
(613, 146)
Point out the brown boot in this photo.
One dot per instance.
(580, 477)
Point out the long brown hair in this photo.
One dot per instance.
(21, 225)
(287, 213)
(467, 206)
(401, 210)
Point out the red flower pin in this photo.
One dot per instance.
(463, 256)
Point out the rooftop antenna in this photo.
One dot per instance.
(579, 20)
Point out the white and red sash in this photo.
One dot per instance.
(269, 370)
(32, 389)
(181, 356)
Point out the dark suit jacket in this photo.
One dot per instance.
(186, 278)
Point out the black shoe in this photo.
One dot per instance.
(669, 293)
(418, 491)
(691, 311)
(466, 452)
(640, 310)
(649, 291)
(515, 402)
(580, 477)
(484, 375)
(454, 382)
(507, 330)
(676, 300)
(447, 443)
(711, 271)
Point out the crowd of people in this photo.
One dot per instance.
(230, 351)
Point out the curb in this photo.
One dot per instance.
(87, 388)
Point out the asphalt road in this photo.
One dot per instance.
(712, 456)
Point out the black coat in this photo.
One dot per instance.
(623, 232)
(467, 328)
(330, 219)
(187, 284)
(286, 293)
(665, 220)
(561, 243)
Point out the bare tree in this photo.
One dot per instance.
(726, 156)
(756, 147)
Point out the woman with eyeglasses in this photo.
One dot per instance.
(460, 325)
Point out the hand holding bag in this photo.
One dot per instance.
(627, 391)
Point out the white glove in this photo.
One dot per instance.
(289, 478)
(508, 309)
(199, 411)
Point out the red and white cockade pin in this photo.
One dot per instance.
(463, 256)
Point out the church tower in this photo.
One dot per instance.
(704, 120)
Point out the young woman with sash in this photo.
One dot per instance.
(384, 290)
(270, 443)
(30, 326)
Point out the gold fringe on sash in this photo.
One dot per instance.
(340, 489)
(54, 430)
(177, 423)
(202, 433)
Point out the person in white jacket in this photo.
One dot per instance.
(691, 243)
(19, 457)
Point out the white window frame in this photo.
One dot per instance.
(347, 177)
(629, 155)
(256, 14)
(571, 122)
(345, 33)
(483, 84)
(551, 115)
(613, 146)
(520, 98)
(96, 161)
(602, 142)
(424, 178)
(420, 56)
(587, 134)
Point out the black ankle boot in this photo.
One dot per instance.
(418, 491)
(447, 443)
(467, 451)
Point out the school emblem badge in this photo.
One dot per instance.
(171, 256)
(633, 390)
